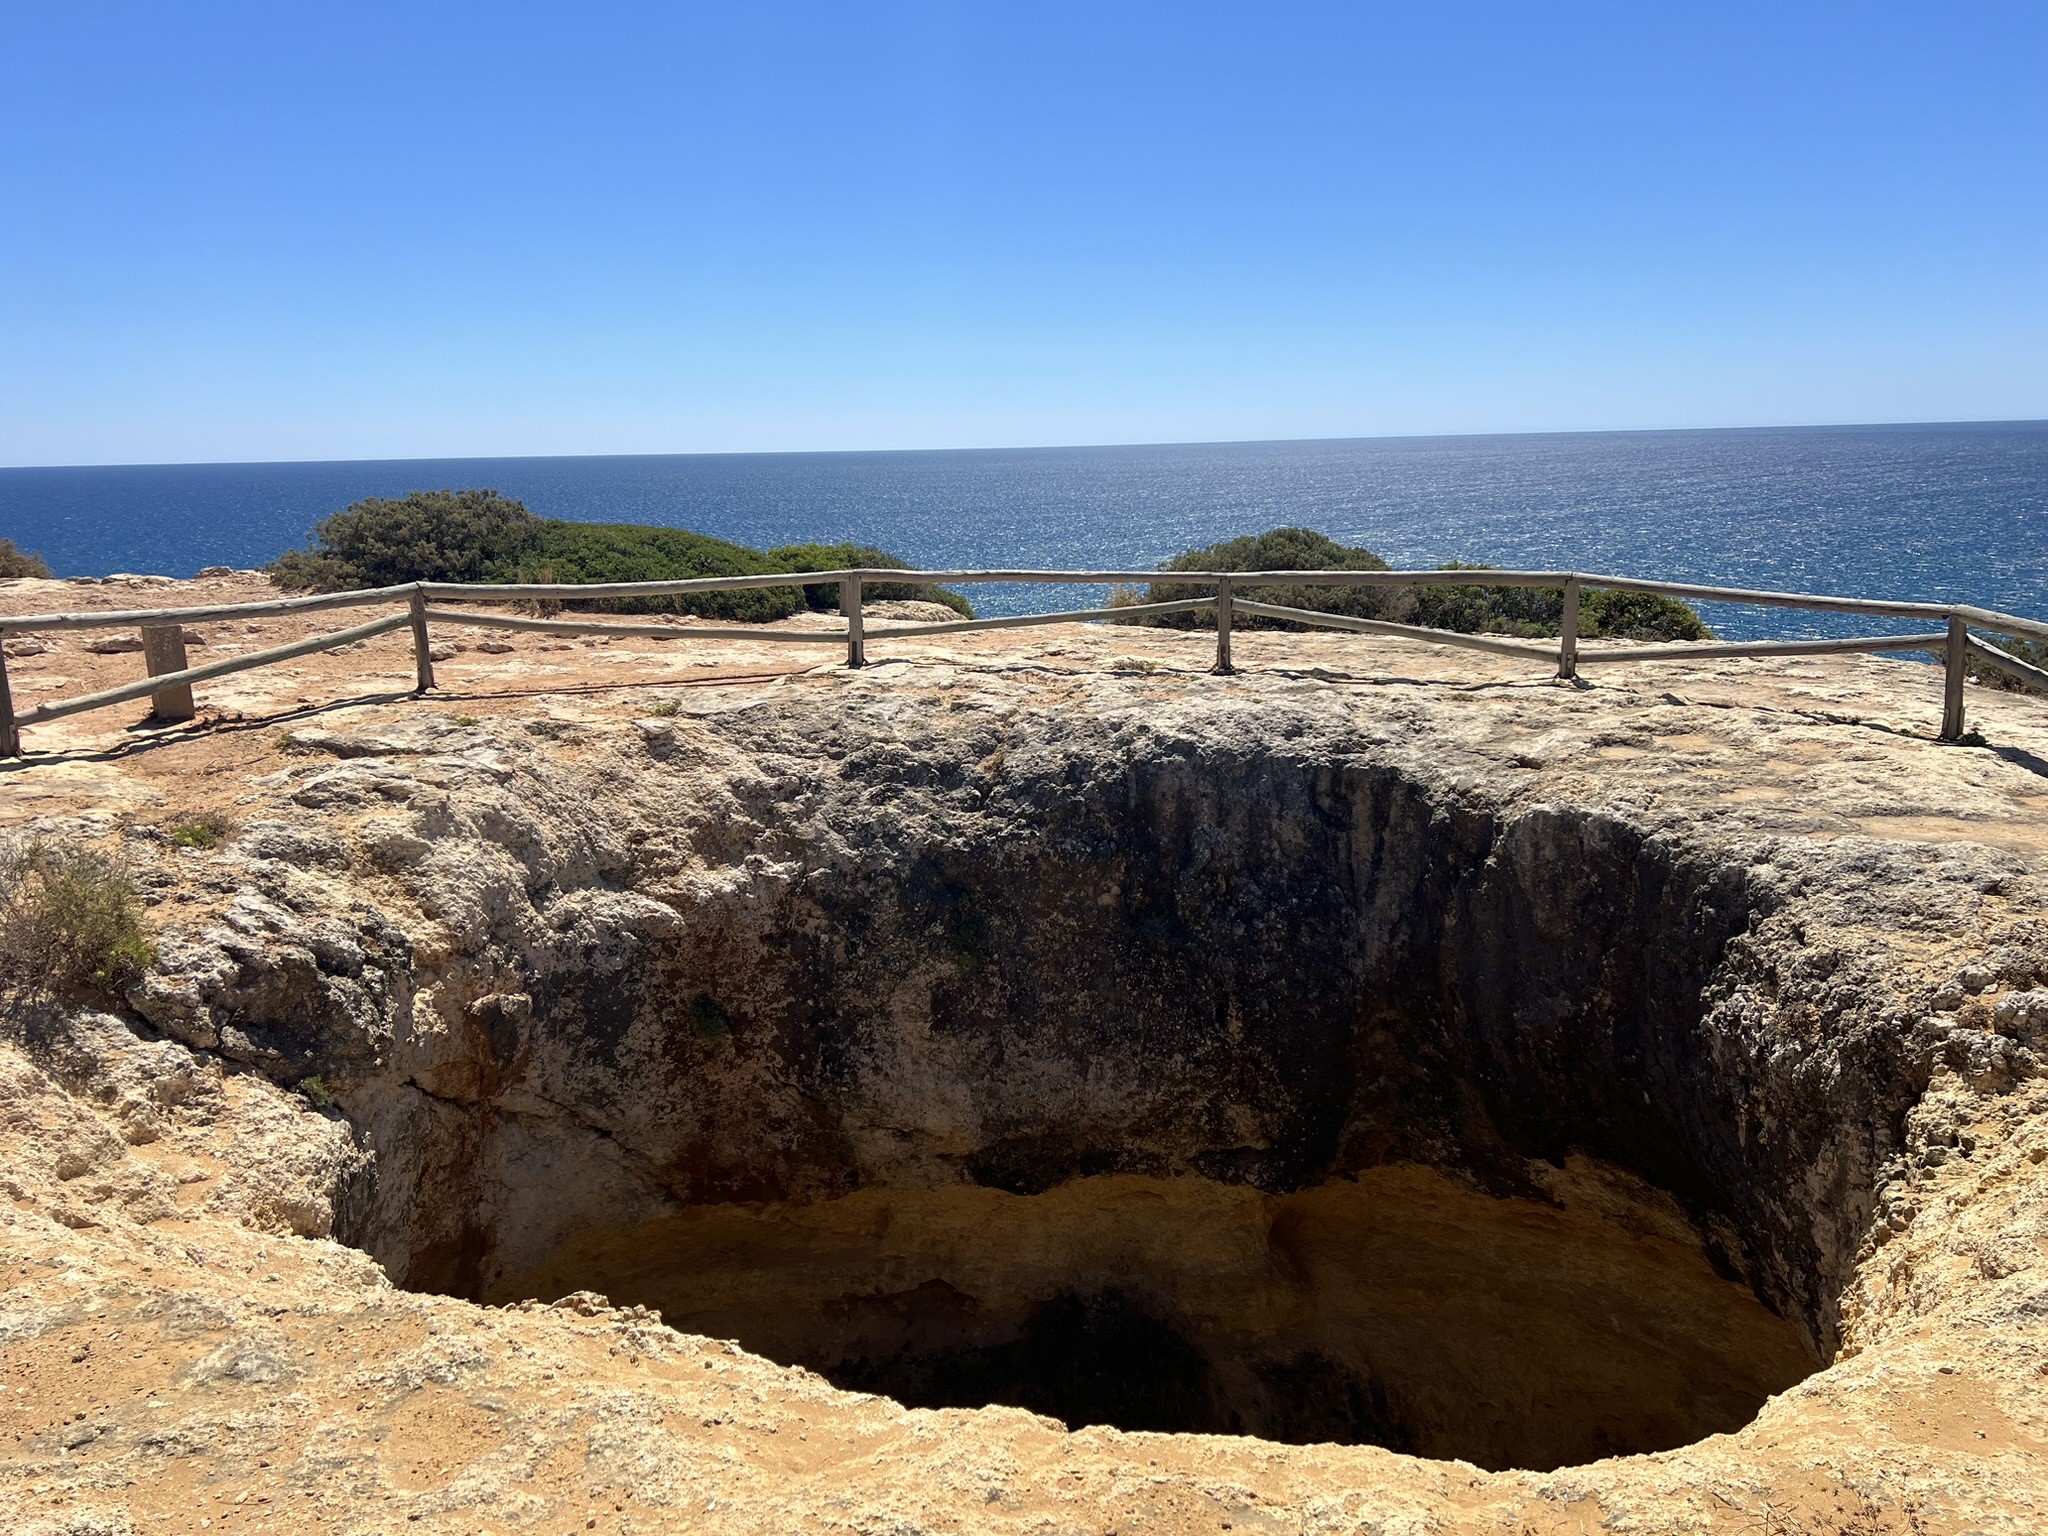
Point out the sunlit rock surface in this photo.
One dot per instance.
(1383, 1047)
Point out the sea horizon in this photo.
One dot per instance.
(1192, 442)
(1954, 511)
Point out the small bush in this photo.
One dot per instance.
(1635, 616)
(1529, 611)
(2033, 652)
(69, 920)
(1282, 549)
(480, 536)
(427, 536)
(586, 552)
(316, 1092)
(19, 562)
(823, 597)
(1534, 612)
(208, 829)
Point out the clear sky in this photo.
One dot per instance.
(338, 230)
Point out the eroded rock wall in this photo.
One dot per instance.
(781, 954)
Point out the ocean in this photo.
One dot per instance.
(1956, 511)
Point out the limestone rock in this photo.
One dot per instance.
(847, 1015)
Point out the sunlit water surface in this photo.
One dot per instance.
(1951, 511)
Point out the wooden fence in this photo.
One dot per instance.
(170, 679)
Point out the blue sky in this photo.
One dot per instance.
(274, 231)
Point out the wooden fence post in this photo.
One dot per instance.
(1958, 667)
(849, 605)
(10, 733)
(1223, 668)
(1568, 632)
(163, 650)
(422, 649)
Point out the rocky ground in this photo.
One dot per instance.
(186, 1344)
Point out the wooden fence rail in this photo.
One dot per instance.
(148, 685)
(2004, 661)
(460, 617)
(170, 683)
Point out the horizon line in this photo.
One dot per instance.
(1228, 442)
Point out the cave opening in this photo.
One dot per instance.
(1227, 1095)
(1400, 1308)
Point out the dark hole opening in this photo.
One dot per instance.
(1401, 1308)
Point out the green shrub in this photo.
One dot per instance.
(586, 552)
(208, 829)
(1529, 611)
(1635, 616)
(823, 597)
(478, 535)
(427, 536)
(19, 562)
(2033, 652)
(1282, 549)
(316, 1092)
(69, 920)
(1538, 612)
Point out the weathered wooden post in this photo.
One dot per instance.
(422, 650)
(849, 605)
(1958, 668)
(1568, 632)
(1223, 668)
(10, 733)
(163, 650)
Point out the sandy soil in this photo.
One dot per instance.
(121, 757)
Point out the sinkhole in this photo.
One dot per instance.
(1222, 1093)
(1400, 1308)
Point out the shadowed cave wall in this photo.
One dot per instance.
(1177, 1088)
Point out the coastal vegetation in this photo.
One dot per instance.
(205, 829)
(20, 562)
(70, 920)
(824, 596)
(427, 536)
(481, 536)
(1528, 611)
(2033, 652)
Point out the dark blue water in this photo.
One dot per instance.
(1934, 512)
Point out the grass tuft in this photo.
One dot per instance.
(208, 829)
